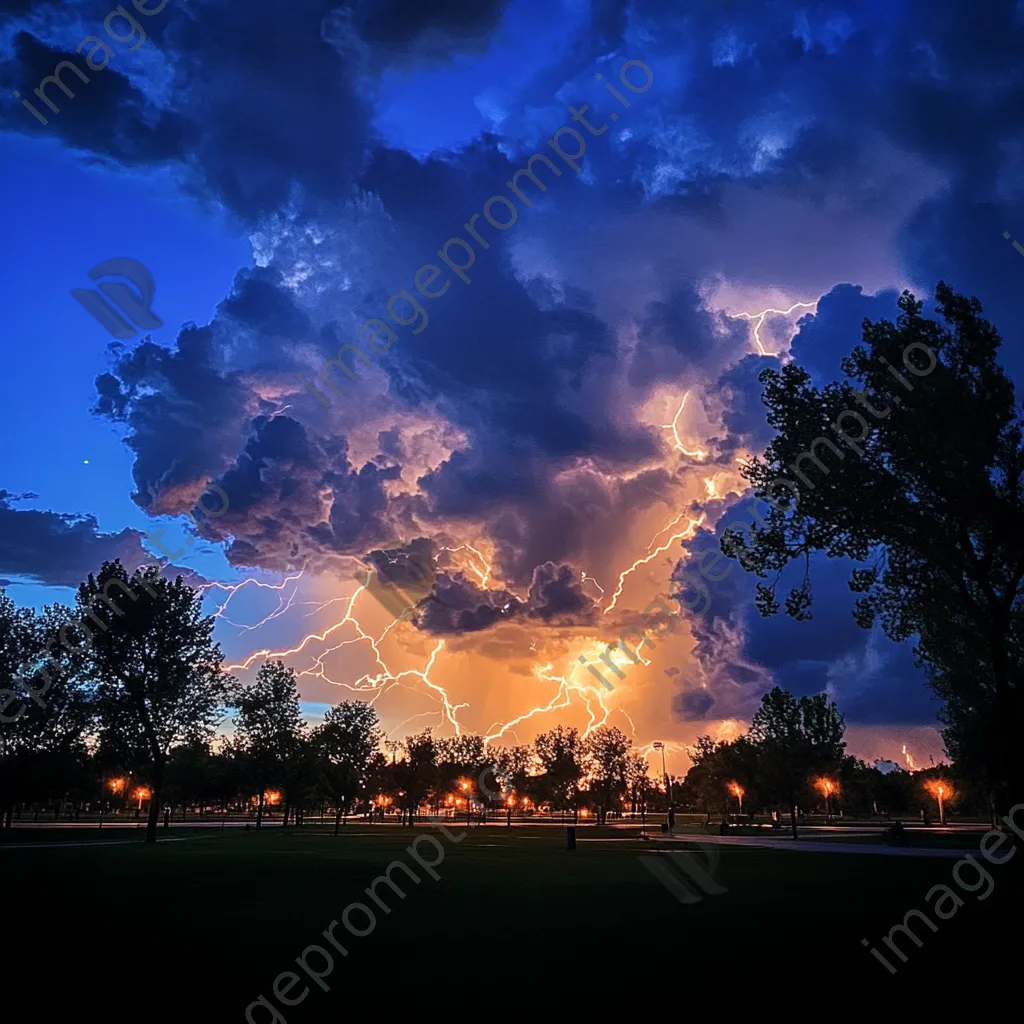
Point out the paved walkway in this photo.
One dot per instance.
(804, 846)
(97, 842)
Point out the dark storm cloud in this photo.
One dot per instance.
(837, 328)
(960, 240)
(250, 100)
(745, 416)
(556, 595)
(785, 99)
(107, 115)
(458, 605)
(401, 24)
(567, 518)
(185, 417)
(497, 360)
(873, 679)
(297, 502)
(187, 412)
(679, 334)
(57, 549)
(411, 568)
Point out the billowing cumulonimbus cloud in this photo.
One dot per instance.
(781, 150)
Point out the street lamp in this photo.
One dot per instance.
(940, 790)
(827, 787)
(737, 791)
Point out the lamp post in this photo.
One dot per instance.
(940, 790)
(827, 788)
(737, 791)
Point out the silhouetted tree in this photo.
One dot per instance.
(346, 743)
(416, 773)
(43, 751)
(189, 775)
(638, 779)
(934, 512)
(154, 666)
(795, 739)
(559, 752)
(268, 725)
(605, 757)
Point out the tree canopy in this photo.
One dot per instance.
(926, 498)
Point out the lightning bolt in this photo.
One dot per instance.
(375, 683)
(383, 678)
(698, 453)
(233, 588)
(691, 528)
(759, 318)
(485, 573)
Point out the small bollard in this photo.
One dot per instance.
(570, 837)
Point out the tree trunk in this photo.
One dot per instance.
(156, 797)
(154, 814)
(259, 810)
(287, 810)
(792, 818)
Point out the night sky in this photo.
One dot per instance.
(284, 169)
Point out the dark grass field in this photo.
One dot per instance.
(200, 928)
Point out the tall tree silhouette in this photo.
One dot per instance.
(606, 761)
(795, 740)
(927, 497)
(346, 743)
(46, 712)
(268, 727)
(416, 774)
(560, 752)
(155, 668)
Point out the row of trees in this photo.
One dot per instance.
(142, 691)
(793, 757)
(144, 695)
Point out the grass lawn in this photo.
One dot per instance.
(202, 927)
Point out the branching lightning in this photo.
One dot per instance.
(758, 320)
(233, 588)
(691, 528)
(383, 677)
